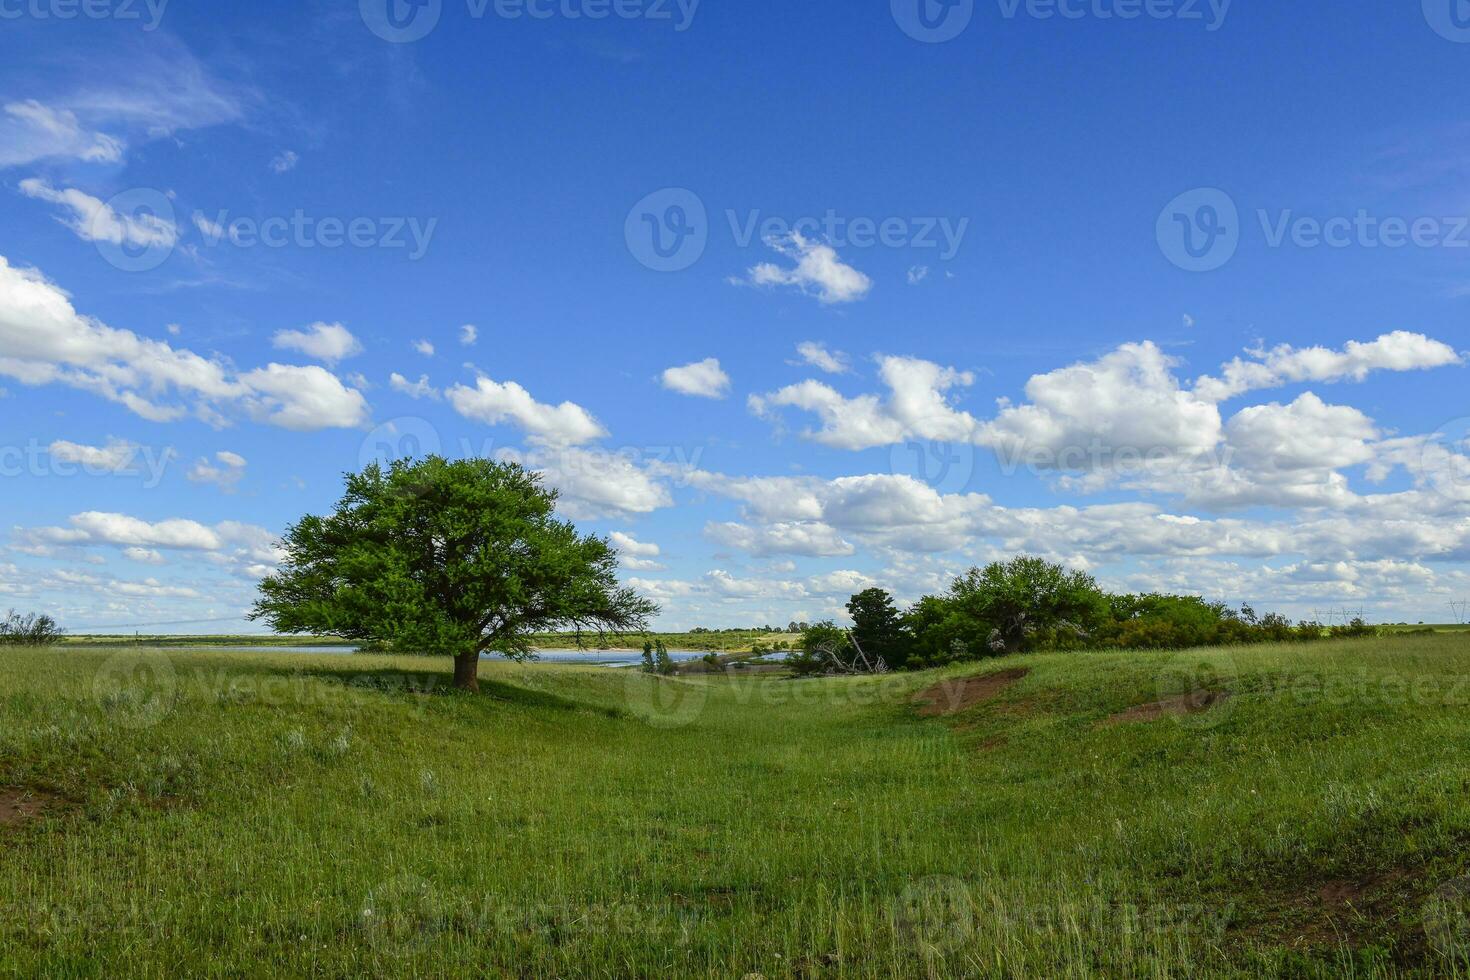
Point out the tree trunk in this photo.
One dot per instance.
(467, 672)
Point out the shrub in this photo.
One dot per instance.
(30, 630)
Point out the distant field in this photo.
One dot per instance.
(169, 813)
(739, 641)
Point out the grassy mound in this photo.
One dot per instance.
(1261, 811)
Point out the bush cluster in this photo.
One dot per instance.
(28, 631)
(1029, 604)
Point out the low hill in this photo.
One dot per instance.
(1278, 811)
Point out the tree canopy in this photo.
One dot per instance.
(457, 558)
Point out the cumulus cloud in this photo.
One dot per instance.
(284, 162)
(469, 334)
(413, 389)
(424, 347)
(493, 402)
(1284, 364)
(816, 271)
(1127, 404)
(115, 457)
(96, 221)
(595, 484)
(918, 406)
(326, 342)
(819, 357)
(44, 340)
(810, 538)
(303, 399)
(225, 472)
(636, 555)
(702, 379)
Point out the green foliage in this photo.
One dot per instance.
(649, 666)
(1009, 607)
(662, 663)
(30, 630)
(824, 647)
(454, 558)
(878, 628)
(1030, 604)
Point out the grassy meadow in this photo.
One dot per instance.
(203, 813)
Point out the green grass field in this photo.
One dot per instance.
(207, 813)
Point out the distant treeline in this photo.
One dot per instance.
(1029, 604)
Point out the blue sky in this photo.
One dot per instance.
(927, 302)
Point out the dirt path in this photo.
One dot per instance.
(951, 696)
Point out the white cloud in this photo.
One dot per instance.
(630, 545)
(32, 131)
(810, 538)
(636, 555)
(424, 347)
(918, 274)
(818, 271)
(1126, 405)
(918, 407)
(595, 484)
(1284, 364)
(226, 475)
(702, 379)
(469, 334)
(43, 340)
(303, 399)
(818, 356)
(117, 456)
(145, 556)
(284, 161)
(492, 402)
(326, 342)
(413, 389)
(95, 221)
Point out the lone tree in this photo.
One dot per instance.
(456, 558)
(878, 628)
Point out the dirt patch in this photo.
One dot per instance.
(1194, 703)
(951, 696)
(21, 806)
